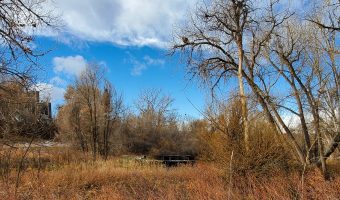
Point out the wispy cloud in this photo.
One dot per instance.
(138, 68)
(141, 65)
(153, 61)
(58, 81)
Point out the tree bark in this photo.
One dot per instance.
(243, 97)
(333, 145)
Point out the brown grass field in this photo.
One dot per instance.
(57, 173)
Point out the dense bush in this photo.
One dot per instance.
(224, 145)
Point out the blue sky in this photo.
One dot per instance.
(130, 69)
(128, 40)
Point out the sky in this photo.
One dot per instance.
(129, 39)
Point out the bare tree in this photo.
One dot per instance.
(154, 127)
(328, 15)
(91, 112)
(215, 46)
(18, 21)
(113, 107)
(293, 58)
(300, 54)
(288, 57)
(328, 77)
(88, 87)
(154, 107)
(327, 18)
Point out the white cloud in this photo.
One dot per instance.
(58, 81)
(291, 120)
(70, 65)
(140, 65)
(50, 92)
(123, 22)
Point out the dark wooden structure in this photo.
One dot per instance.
(175, 160)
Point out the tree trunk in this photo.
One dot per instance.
(106, 138)
(333, 145)
(297, 96)
(243, 97)
(95, 128)
(320, 143)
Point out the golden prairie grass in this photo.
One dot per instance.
(73, 175)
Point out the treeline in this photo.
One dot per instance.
(95, 118)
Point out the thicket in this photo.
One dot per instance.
(95, 119)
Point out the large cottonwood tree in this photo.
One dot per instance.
(280, 52)
(224, 39)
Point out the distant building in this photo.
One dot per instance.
(15, 100)
(24, 114)
(43, 108)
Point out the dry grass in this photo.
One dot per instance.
(64, 174)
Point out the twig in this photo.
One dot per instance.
(21, 165)
(230, 174)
